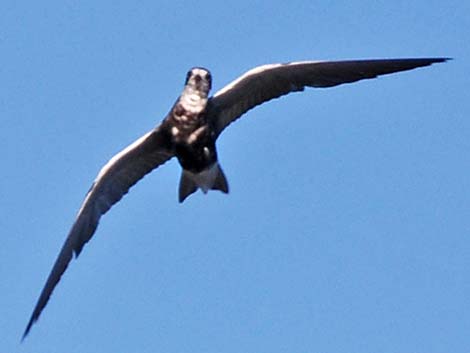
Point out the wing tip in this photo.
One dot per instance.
(430, 61)
(28, 328)
(440, 60)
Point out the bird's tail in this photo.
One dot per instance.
(212, 178)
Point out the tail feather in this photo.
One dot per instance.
(187, 186)
(212, 178)
(220, 182)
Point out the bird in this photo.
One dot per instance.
(189, 132)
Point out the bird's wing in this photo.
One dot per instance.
(113, 181)
(266, 82)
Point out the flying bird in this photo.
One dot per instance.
(189, 132)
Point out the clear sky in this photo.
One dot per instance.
(347, 227)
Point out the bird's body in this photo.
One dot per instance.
(190, 131)
(190, 135)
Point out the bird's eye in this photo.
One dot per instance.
(208, 76)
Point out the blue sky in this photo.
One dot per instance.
(348, 222)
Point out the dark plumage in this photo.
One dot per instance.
(189, 132)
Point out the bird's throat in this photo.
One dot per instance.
(193, 101)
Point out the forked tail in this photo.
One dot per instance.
(212, 178)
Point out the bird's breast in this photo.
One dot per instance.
(188, 120)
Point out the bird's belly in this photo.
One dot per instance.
(196, 157)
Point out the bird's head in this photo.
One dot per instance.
(200, 80)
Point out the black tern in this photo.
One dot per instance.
(189, 132)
